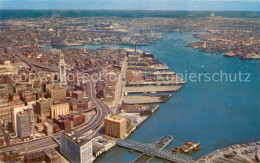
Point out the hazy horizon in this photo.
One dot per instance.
(164, 5)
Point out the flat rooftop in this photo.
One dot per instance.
(76, 137)
(115, 118)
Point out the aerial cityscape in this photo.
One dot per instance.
(129, 85)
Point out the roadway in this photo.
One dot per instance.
(120, 87)
(101, 109)
(19, 56)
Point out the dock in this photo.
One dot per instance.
(154, 151)
(146, 99)
(177, 81)
(149, 111)
(152, 89)
(161, 144)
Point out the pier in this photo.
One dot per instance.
(153, 150)
(146, 99)
(146, 89)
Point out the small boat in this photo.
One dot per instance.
(190, 146)
(175, 149)
(197, 148)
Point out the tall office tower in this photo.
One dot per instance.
(76, 147)
(31, 120)
(23, 124)
(62, 66)
(14, 112)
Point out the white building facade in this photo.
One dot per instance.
(75, 148)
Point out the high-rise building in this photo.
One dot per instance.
(43, 106)
(116, 126)
(60, 109)
(14, 112)
(62, 66)
(76, 147)
(23, 124)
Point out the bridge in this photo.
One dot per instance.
(152, 150)
(161, 144)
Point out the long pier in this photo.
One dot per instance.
(153, 150)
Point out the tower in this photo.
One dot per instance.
(62, 66)
(205, 45)
(58, 33)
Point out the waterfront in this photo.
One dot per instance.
(216, 114)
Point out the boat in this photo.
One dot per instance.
(197, 148)
(175, 149)
(190, 146)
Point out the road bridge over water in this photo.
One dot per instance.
(152, 150)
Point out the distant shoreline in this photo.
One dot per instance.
(6, 14)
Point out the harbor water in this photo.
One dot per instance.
(216, 114)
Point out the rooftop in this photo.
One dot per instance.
(115, 118)
(77, 137)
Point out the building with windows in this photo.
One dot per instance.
(14, 113)
(43, 106)
(60, 109)
(23, 124)
(116, 126)
(76, 147)
(57, 94)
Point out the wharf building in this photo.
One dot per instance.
(116, 126)
(76, 147)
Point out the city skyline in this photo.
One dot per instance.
(190, 5)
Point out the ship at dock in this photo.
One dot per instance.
(188, 147)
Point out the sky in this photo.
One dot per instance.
(238, 5)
